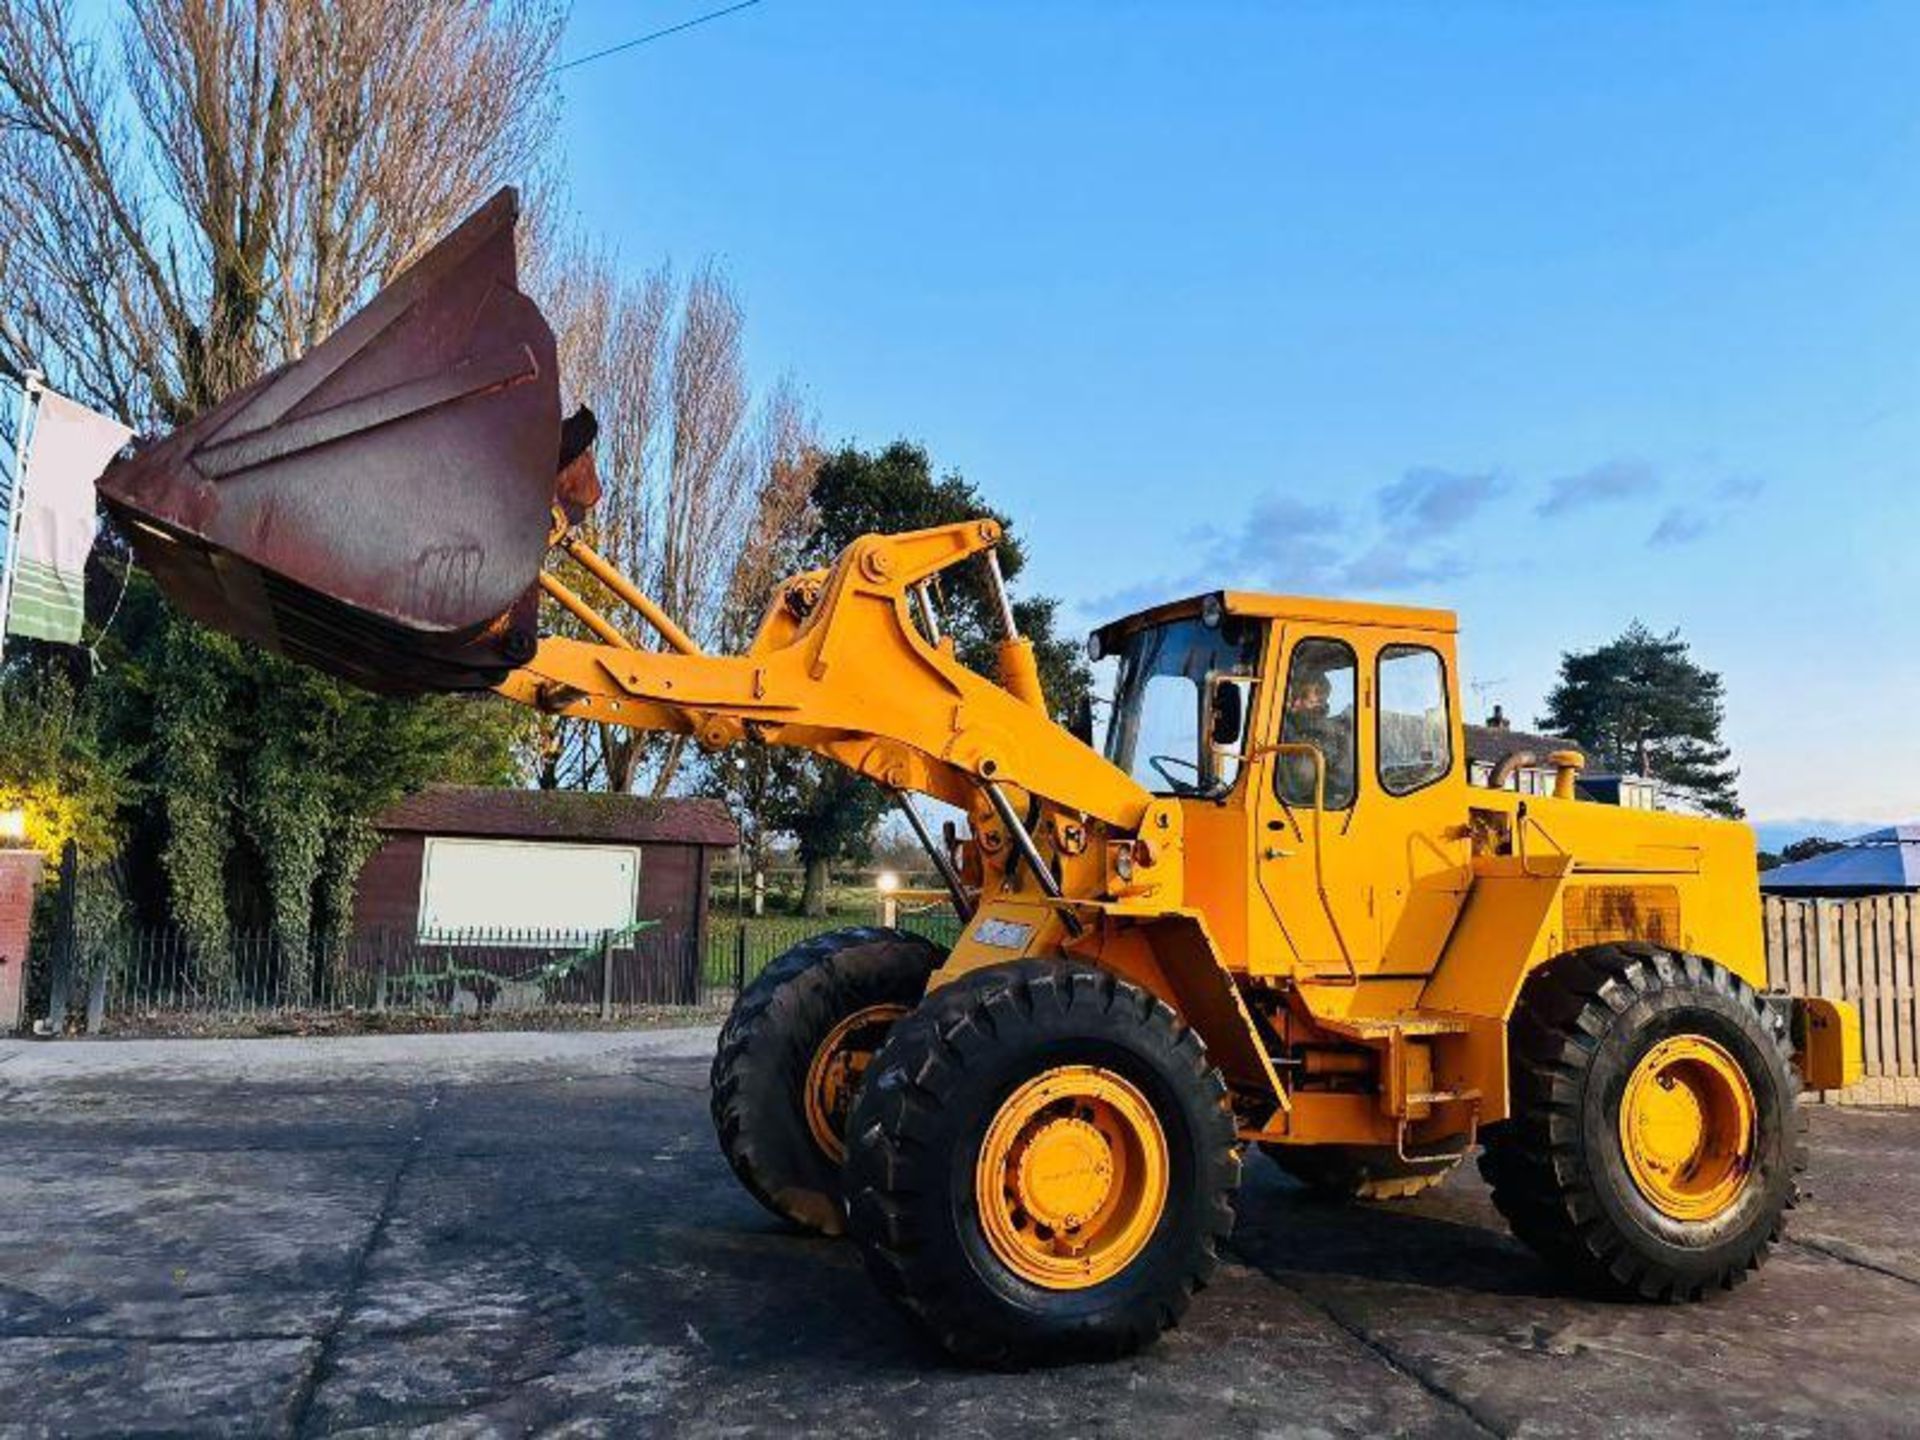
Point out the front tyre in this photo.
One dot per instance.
(1654, 1143)
(793, 1053)
(1041, 1165)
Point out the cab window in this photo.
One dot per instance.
(1159, 711)
(1416, 740)
(1318, 711)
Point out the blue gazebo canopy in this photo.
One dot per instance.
(1875, 863)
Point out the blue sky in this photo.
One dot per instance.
(1560, 315)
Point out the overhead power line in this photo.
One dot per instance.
(655, 35)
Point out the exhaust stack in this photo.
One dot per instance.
(380, 507)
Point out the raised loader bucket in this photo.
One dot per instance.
(380, 507)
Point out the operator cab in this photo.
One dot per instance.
(1315, 749)
(1184, 701)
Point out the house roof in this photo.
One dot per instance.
(1489, 744)
(1878, 861)
(575, 815)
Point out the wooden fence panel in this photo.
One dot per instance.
(1859, 922)
(1902, 953)
(1890, 1032)
(1864, 990)
(1795, 959)
(1866, 951)
(1877, 910)
(1826, 921)
(1910, 906)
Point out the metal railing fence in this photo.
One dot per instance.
(739, 949)
(160, 980)
(133, 975)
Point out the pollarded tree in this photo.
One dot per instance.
(695, 471)
(1641, 705)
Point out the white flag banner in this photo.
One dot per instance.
(55, 518)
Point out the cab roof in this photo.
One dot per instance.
(1316, 610)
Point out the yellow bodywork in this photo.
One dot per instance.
(1351, 972)
(1826, 1037)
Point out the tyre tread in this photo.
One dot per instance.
(1535, 1161)
(882, 1187)
(753, 1033)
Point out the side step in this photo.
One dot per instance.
(1376, 1029)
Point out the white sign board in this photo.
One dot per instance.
(518, 886)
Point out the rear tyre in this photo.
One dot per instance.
(1359, 1172)
(1655, 1143)
(1041, 1166)
(792, 1055)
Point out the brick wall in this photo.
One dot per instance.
(387, 894)
(19, 874)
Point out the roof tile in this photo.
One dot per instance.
(1489, 745)
(561, 815)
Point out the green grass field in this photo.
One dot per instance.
(740, 947)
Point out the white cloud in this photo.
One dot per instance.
(1438, 500)
(1600, 485)
(1679, 526)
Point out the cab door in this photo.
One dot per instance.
(1372, 876)
(1423, 865)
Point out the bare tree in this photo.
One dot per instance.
(786, 461)
(213, 198)
(752, 779)
(180, 211)
(701, 486)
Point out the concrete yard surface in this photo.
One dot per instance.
(513, 1234)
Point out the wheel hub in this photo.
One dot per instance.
(1064, 1173)
(1687, 1126)
(1072, 1177)
(839, 1064)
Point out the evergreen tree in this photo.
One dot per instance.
(1641, 705)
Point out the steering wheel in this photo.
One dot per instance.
(1160, 763)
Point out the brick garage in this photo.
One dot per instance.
(560, 831)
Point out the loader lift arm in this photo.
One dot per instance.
(837, 667)
(382, 508)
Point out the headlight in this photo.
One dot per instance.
(1212, 610)
(1094, 650)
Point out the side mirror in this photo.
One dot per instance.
(1229, 705)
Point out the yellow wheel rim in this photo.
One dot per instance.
(833, 1078)
(1072, 1177)
(1687, 1126)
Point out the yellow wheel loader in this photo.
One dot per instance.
(1270, 909)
